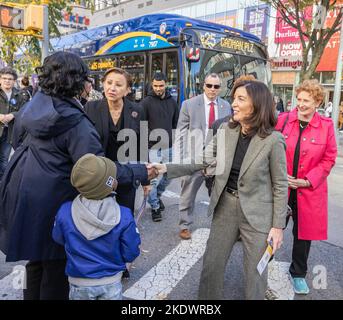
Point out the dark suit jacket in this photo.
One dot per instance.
(98, 112)
(13, 106)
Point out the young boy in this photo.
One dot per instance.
(98, 235)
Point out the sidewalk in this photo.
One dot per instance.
(340, 144)
(335, 181)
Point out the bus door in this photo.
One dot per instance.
(166, 62)
(135, 64)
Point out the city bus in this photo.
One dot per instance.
(185, 49)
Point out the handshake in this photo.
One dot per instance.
(155, 169)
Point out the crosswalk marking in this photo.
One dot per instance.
(171, 194)
(279, 281)
(160, 280)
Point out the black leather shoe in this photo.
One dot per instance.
(126, 274)
(156, 215)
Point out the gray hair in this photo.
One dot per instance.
(212, 75)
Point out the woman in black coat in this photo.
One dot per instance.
(110, 116)
(37, 179)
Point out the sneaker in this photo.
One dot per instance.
(300, 286)
(156, 215)
(126, 274)
(162, 207)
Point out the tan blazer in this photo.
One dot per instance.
(262, 183)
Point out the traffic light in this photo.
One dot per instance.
(11, 18)
(34, 17)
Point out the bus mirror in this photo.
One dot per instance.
(193, 54)
(174, 39)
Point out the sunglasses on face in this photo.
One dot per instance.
(210, 86)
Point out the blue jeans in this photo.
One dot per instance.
(5, 151)
(111, 291)
(159, 184)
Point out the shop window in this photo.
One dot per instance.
(328, 77)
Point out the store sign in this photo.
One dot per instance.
(328, 61)
(74, 21)
(284, 33)
(286, 64)
(256, 21)
(290, 49)
(75, 18)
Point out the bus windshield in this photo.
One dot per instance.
(228, 66)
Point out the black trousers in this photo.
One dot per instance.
(301, 248)
(126, 197)
(46, 280)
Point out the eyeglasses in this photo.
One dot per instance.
(210, 86)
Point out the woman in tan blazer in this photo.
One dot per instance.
(249, 196)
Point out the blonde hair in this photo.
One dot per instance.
(313, 88)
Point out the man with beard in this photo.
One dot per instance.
(162, 112)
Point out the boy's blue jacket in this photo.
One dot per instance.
(99, 237)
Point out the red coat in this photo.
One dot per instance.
(318, 151)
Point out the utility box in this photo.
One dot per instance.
(34, 17)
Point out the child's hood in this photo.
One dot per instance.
(95, 218)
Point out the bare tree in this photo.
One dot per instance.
(313, 34)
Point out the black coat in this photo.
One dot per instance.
(161, 113)
(98, 112)
(37, 179)
(13, 105)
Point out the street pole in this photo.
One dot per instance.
(45, 42)
(338, 85)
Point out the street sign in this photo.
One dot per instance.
(11, 18)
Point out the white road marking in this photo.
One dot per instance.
(160, 280)
(170, 194)
(279, 280)
(11, 286)
(206, 203)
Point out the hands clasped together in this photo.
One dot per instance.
(6, 118)
(155, 169)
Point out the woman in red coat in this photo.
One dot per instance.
(311, 153)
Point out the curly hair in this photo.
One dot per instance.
(313, 88)
(63, 74)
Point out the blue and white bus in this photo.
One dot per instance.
(184, 49)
